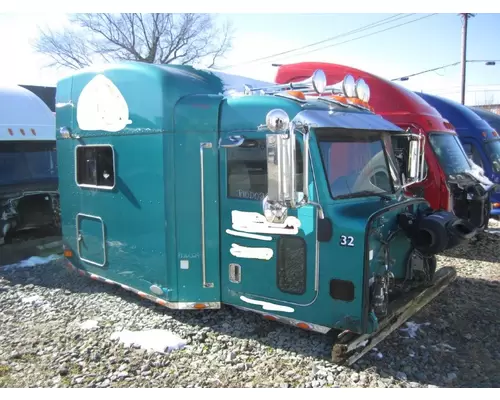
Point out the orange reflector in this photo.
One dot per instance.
(199, 306)
(141, 294)
(303, 325)
(161, 302)
(270, 318)
(448, 125)
(11, 132)
(340, 99)
(359, 102)
(296, 93)
(496, 205)
(94, 277)
(68, 253)
(494, 133)
(485, 134)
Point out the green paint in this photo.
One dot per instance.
(152, 217)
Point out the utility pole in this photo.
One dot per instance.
(465, 17)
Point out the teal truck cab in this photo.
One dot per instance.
(195, 190)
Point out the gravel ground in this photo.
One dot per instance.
(42, 343)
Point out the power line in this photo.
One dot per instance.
(406, 77)
(361, 37)
(363, 28)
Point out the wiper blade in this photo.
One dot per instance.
(372, 193)
(364, 193)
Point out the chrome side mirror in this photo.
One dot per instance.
(280, 153)
(415, 171)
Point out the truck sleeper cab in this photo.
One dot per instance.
(485, 152)
(195, 189)
(448, 184)
(472, 132)
(29, 198)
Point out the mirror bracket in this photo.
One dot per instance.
(231, 141)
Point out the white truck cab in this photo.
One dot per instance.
(28, 163)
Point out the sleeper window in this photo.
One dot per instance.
(95, 166)
(247, 170)
(473, 154)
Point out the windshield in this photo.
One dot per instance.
(355, 162)
(450, 153)
(27, 162)
(493, 151)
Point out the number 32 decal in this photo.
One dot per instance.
(346, 241)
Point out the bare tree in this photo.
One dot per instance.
(151, 38)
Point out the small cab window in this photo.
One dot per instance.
(473, 154)
(95, 166)
(247, 170)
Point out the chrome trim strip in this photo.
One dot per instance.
(203, 145)
(212, 305)
(287, 320)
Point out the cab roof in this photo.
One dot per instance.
(386, 97)
(112, 98)
(24, 116)
(460, 116)
(490, 117)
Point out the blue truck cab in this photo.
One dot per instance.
(489, 154)
(479, 140)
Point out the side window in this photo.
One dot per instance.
(468, 149)
(473, 154)
(95, 166)
(247, 170)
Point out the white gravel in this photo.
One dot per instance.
(58, 329)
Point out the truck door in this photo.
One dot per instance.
(197, 217)
(265, 267)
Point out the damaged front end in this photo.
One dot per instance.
(401, 274)
(470, 197)
(28, 210)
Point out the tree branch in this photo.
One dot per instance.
(150, 38)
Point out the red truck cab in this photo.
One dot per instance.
(450, 182)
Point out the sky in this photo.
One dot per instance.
(410, 48)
